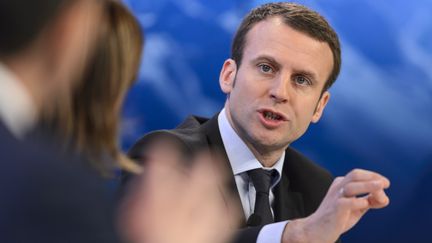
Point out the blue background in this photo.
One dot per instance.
(379, 116)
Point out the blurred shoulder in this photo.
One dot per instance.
(188, 137)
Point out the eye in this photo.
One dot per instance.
(302, 80)
(264, 68)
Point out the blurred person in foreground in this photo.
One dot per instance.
(87, 123)
(88, 120)
(284, 59)
(46, 196)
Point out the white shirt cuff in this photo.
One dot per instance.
(272, 233)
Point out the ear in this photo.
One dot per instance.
(227, 75)
(320, 107)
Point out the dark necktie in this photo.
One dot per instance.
(261, 180)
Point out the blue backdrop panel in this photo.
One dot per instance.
(379, 116)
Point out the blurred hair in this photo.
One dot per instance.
(22, 20)
(297, 17)
(90, 120)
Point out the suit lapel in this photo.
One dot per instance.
(287, 204)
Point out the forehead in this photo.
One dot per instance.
(289, 47)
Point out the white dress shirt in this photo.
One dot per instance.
(243, 160)
(17, 109)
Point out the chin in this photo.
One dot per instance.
(270, 142)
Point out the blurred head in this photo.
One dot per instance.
(46, 42)
(284, 58)
(21, 21)
(91, 118)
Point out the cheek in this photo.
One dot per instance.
(250, 91)
(304, 114)
(240, 94)
(242, 103)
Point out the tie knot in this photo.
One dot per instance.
(261, 180)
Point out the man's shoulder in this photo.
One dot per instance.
(192, 122)
(187, 137)
(295, 160)
(306, 176)
(307, 173)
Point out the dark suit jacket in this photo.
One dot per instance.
(302, 187)
(47, 196)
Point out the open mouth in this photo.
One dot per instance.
(272, 116)
(271, 119)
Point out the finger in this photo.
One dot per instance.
(386, 183)
(217, 215)
(207, 215)
(354, 203)
(202, 180)
(338, 180)
(165, 154)
(207, 166)
(353, 189)
(336, 185)
(211, 221)
(378, 199)
(163, 178)
(203, 175)
(364, 175)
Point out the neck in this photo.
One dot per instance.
(266, 156)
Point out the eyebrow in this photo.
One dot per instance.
(275, 63)
(268, 59)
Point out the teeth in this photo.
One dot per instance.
(271, 116)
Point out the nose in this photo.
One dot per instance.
(279, 91)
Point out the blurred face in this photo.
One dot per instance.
(276, 92)
(77, 32)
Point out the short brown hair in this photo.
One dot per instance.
(297, 17)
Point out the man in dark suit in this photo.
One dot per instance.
(46, 195)
(284, 59)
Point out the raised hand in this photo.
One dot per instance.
(172, 204)
(347, 200)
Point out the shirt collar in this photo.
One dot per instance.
(17, 109)
(239, 155)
